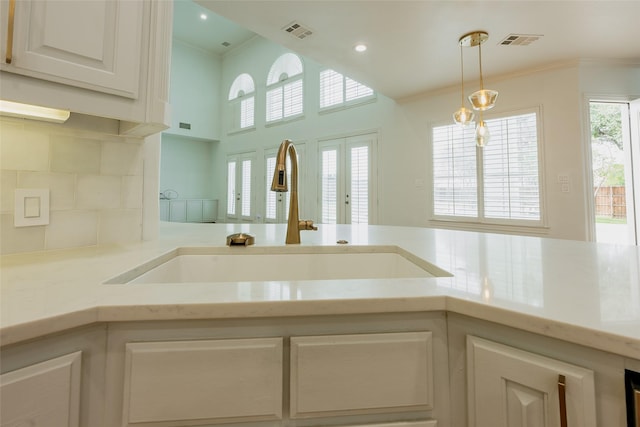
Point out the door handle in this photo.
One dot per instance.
(562, 395)
(12, 13)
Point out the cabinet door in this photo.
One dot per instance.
(368, 373)
(42, 395)
(200, 382)
(194, 210)
(209, 210)
(94, 44)
(178, 210)
(509, 387)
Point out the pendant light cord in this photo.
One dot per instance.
(461, 77)
(480, 59)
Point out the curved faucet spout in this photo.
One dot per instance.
(279, 184)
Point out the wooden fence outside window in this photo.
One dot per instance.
(611, 202)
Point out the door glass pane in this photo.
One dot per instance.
(329, 186)
(359, 194)
(231, 188)
(270, 208)
(612, 178)
(246, 188)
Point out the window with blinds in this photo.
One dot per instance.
(247, 108)
(336, 89)
(285, 97)
(497, 183)
(242, 102)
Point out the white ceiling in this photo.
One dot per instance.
(413, 45)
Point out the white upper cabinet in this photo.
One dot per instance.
(91, 44)
(104, 58)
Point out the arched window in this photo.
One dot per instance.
(242, 102)
(284, 88)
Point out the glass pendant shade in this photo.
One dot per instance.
(482, 134)
(463, 116)
(483, 99)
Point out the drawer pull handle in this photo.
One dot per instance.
(563, 400)
(12, 12)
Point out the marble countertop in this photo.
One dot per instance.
(584, 293)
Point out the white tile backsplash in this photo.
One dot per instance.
(98, 192)
(120, 226)
(95, 183)
(121, 159)
(23, 149)
(71, 154)
(69, 229)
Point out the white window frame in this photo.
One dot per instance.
(286, 75)
(242, 104)
(480, 218)
(344, 82)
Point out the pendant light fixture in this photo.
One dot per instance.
(463, 116)
(482, 99)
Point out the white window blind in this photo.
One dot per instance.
(359, 185)
(247, 108)
(510, 166)
(355, 90)
(292, 98)
(246, 188)
(336, 89)
(274, 104)
(454, 171)
(329, 183)
(331, 92)
(231, 188)
(507, 172)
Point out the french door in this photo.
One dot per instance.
(615, 156)
(346, 187)
(240, 178)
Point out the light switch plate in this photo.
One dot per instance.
(31, 207)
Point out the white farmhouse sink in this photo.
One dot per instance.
(251, 264)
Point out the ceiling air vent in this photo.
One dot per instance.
(519, 39)
(298, 30)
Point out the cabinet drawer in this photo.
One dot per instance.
(511, 387)
(352, 374)
(44, 394)
(201, 382)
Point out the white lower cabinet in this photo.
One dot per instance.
(203, 381)
(364, 373)
(509, 387)
(46, 394)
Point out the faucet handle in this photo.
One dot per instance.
(306, 224)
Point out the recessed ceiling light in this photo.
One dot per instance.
(360, 47)
(203, 16)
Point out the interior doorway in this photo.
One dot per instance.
(615, 150)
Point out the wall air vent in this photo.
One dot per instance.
(519, 39)
(298, 30)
